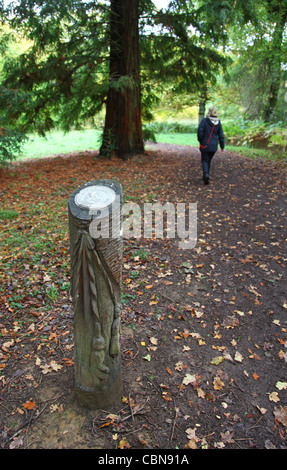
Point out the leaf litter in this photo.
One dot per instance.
(203, 331)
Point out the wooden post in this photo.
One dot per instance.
(95, 226)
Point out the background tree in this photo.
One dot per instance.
(11, 137)
(90, 55)
(65, 71)
(276, 52)
(258, 50)
(123, 126)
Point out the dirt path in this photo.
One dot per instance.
(204, 331)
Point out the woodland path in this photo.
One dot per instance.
(204, 331)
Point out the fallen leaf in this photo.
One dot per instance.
(30, 405)
(124, 444)
(262, 410)
(227, 437)
(281, 385)
(238, 357)
(16, 443)
(153, 340)
(274, 397)
(45, 369)
(179, 366)
(241, 314)
(106, 424)
(218, 384)
(200, 392)
(191, 434)
(281, 415)
(112, 416)
(217, 360)
(189, 379)
(55, 366)
(147, 357)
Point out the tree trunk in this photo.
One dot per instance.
(202, 104)
(201, 111)
(123, 126)
(275, 59)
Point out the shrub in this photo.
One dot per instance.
(10, 145)
(171, 127)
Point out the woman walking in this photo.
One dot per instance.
(209, 132)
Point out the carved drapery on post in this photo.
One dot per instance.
(96, 265)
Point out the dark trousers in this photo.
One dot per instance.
(206, 158)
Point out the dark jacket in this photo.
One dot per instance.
(203, 133)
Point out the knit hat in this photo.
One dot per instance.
(212, 112)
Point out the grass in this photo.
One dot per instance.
(57, 142)
(178, 139)
(268, 154)
(78, 141)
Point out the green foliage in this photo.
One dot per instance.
(148, 133)
(11, 143)
(171, 127)
(278, 141)
(255, 79)
(257, 134)
(108, 142)
(11, 102)
(64, 72)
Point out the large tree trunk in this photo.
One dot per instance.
(123, 126)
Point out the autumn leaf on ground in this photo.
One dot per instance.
(217, 360)
(200, 392)
(189, 379)
(53, 366)
(16, 443)
(227, 437)
(192, 438)
(179, 366)
(30, 405)
(57, 407)
(230, 322)
(238, 357)
(124, 444)
(262, 410)
(281, 385)
(147, 357)
(281, 415)
(274, 397)
(45, 369)
(218, 384)
(153, 340)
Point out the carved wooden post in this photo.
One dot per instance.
(95, 225)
